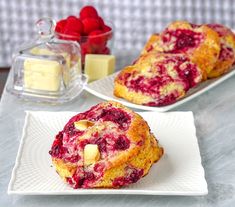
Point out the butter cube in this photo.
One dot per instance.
(42, 74)
(83, 124)
(41, 51)
(91, 154)
(44, 51)
(99, 66)
(66, 56)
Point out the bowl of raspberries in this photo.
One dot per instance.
(89, 29)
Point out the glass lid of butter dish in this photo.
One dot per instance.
(47, 70)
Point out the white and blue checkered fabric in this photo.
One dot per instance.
(134, 20)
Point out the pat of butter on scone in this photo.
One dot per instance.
(83, 124)
(91, 154)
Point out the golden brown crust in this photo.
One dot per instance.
(207, 54)
(120, 90)
(220, 68)
(149, 154)
(147, 66)
(64, 169)
(222, 65)
(134, 133)
(204, 52)
(132, 96)
(152, 44)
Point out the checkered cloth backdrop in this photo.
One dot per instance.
(134, 20)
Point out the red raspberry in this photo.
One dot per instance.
(105, 51)
(96, 37)
(90, 24)
(88, 11)
(85, 49)
(122, 143)
(75, 36)
(74, 24)
(102, 49)
(97, 41)
(60, 26)
(83, 39)
(101, 21)
(108, 30)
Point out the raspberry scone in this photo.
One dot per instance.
(157, 79)
(227, 52)
(108, 146)
(199, 42)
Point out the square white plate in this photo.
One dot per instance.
(179, 172)
(103, 88)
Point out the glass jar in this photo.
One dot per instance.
(48, 69)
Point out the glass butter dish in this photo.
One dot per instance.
(47, 70)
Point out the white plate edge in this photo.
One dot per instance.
(163, 108)
(205, 185)
(111, 192)
(19, 154)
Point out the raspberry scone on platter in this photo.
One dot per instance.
(108, 146)
(199, 42)
(157, 79)
(227, 52)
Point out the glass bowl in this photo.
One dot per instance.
(95, 44)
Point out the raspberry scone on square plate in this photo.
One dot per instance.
(227, 52)
(108, 146)
(157, 79)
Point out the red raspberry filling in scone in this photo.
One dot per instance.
(181, 40)
(165, 80)
(104, 129)
(132, 176)
(227, 46)
(227, 53)
(109, 140)
(199, 42)
(220, 29)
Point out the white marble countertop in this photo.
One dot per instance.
(214, 114)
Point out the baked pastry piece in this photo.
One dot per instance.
(175, 60)
(157, 79)
(106, 146)
(199, 42)
(227, 52)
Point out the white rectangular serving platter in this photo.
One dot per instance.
(103, 89)
(179, 172)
